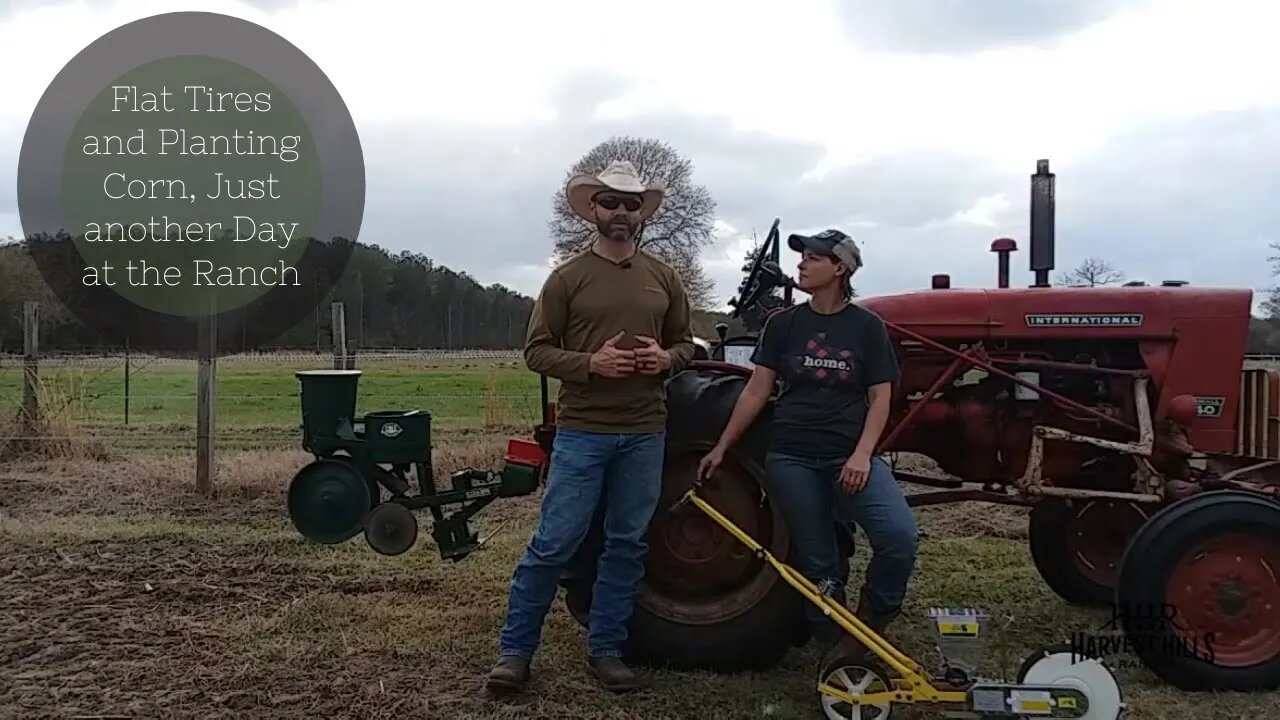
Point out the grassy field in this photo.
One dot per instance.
(259, 400)
(125, 594)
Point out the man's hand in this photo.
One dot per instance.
(853, 476)
(610, 361)
(651, 359)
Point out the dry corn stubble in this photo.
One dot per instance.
(124, 593)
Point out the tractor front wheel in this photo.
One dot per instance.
(1077, 545)
(1199, 593)
(706, 602)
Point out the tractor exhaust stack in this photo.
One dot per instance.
(1042, 206)
(1003, 247)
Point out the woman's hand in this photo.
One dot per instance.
(853, 476)
(710, 463)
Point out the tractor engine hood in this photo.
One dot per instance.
(1061, 312)
(967, 311)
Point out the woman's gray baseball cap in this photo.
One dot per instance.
(832, 243)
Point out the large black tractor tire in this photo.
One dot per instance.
(753, 626)
(1198, 589)
(1077, 545)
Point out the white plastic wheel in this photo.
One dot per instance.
(854, 679)
(1088, 675)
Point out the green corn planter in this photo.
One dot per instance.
(359, 457)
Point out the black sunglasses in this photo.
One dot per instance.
(611, 202)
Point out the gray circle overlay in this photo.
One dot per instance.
(334, 212)
(164, 203)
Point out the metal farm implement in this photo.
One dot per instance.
(372, 471)
(1052, 683)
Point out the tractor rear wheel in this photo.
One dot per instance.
(1199, 593)
(706, 601)
(1077, 545)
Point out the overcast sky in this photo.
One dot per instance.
(911, 124)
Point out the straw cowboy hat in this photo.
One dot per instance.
(620, 176)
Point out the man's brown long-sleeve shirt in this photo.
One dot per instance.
(589, 299)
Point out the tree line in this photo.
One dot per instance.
(391, 300)
(407, 300)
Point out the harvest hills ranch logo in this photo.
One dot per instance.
(1084, 319)
(1152, 630)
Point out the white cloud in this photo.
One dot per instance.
(723, 260)
(525, 277)
(485, 88)
(985, 210)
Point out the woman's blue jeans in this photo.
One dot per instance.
(809, 496)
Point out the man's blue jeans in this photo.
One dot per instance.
(626, 470)
(809, 495)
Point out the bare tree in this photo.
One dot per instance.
(677, 232)
(699, 286)
(1271, 306)
(1092, 273)
(752, 255)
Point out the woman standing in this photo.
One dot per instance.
(837, 367)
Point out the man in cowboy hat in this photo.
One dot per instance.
(610, 323)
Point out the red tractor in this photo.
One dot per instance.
(1123, 416)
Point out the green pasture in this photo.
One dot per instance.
(262, 395)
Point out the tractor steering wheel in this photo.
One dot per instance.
(751, 287)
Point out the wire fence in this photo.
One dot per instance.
(114, 357)
(140, 401)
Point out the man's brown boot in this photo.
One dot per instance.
(509, 675)
(614, 674)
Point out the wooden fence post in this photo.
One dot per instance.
(339, 332)
(30, 367)
(206, 400)
(127, 354)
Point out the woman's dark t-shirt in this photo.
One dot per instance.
(826, 363)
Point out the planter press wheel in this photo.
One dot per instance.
(855, 675)
(1077, 545)
(390, 529)
(1059, 665)
(1199, 593)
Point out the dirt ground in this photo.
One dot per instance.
(124, 594)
